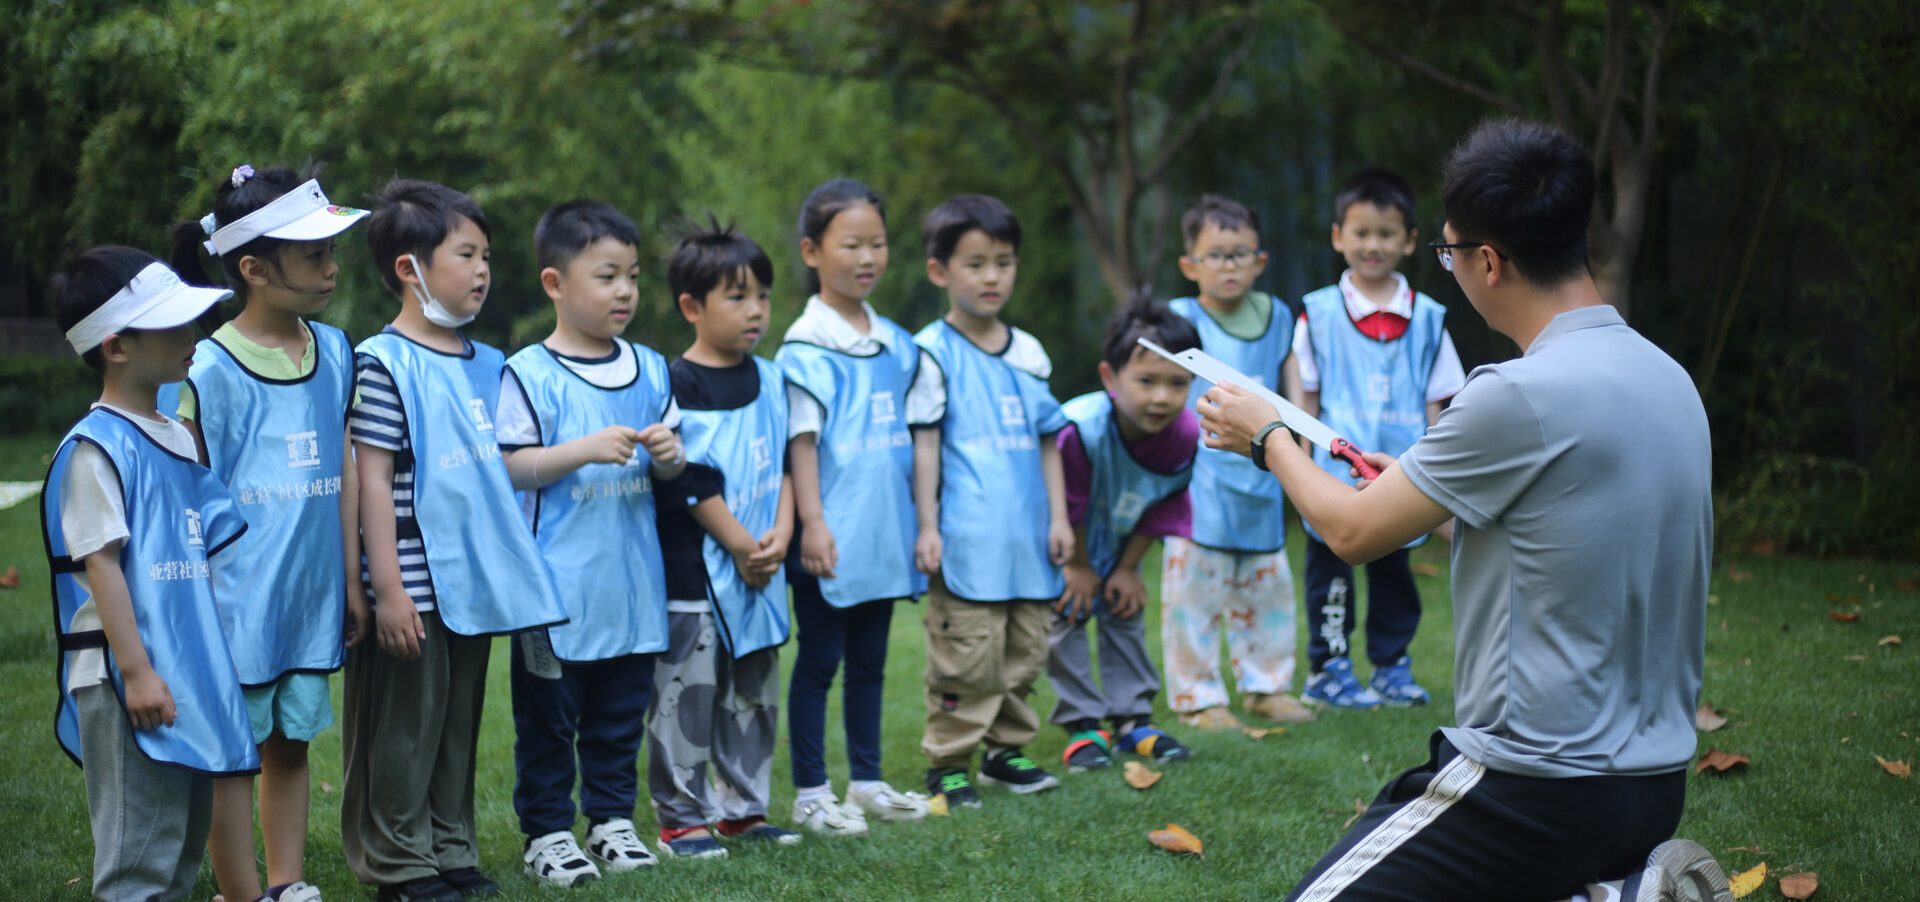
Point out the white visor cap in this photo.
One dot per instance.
(303, 214)
(154, 299)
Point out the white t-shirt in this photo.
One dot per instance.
(822, 325)
(93, 515)
(1447, 377)
(1024, 352)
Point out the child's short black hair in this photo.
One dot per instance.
(1382, 188)
(951, 221)
(1526, 188)
(413, 217)
(1148, 319)
(89, 281)
(714, 254)
(826, 201)
(231, 203)
(1221, 212)
(567, 229)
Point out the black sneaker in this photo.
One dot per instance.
(952, 782)
(469, 882)
(1015, 771)
(420, 889)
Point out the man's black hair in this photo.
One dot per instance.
(951, 221)
(711, 255)
(89, 281)
(413, 217)
(1382, 188)
(1527, 189)
(1221, 213)
(568, 229)
(1148, 319)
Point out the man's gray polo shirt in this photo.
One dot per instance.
(1581, 477)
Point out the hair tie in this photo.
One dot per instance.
(209, 225)
(240, 175)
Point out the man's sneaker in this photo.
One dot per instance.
(1147, 741)
(297, 891)
(556, 860)
(1337, 687)
(1396, 685)
(1214, 718)
(1015, 771)
(676, 843)
(470, 883)
(1277, 707)
(953, 783)
(1087, 747)
(756, 829)
(1679, 870)
(884, 802)
(614, 844)
(419, 889)
(826, 817)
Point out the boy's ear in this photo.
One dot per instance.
(550, 283)
(404, 271)
(1107, 375)
(1413, 241)
(1336, 239)
(254, 270)
(1189, 268)
(936, 272)
(113, 350)
(690, 308)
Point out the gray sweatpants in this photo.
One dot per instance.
(1128, 679)
(150, 821)
(410, 731)
(710, 728)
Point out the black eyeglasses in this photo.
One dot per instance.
(1445, 251)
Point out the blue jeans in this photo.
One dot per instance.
(828, 635)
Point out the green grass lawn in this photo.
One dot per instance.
(1810, 699)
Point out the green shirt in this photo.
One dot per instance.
(1249, 319)
(272, 363)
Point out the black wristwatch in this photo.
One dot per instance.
(1260, 442)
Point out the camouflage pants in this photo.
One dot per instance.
(711, 727)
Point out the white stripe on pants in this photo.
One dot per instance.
(1450, 785)
(1253, 594)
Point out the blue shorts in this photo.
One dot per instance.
(296, 706)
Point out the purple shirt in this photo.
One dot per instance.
(1164, 452)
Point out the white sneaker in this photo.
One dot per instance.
(887, 804)
(617, 847)
(299, 891)
(556, 860)
(1681, 870)
(826, 817)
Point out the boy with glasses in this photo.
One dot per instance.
(1232, 567)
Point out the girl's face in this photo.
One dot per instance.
(298, 280)
(458, 274)
(851, 255)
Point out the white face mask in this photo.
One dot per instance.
(436, 313)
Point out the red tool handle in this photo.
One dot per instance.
(1345, 450)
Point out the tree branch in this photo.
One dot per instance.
(1440, 77)
(1178, 138)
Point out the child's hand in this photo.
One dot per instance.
(1060, 542)
(663, 445)
(772, 551)
(358, 612)
(149, 701)
(1082, 585)
(398, 627)
(926, 552)
(818, 554)
(1126, 595)
(612, 445)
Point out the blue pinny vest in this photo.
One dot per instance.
(748, 445)
(1236, 506)
(178, 516)
(1120, 489)
(278, 445)
(866, 462)
(993, 495)
(595, 526)
(488, 577)
(1373, 393)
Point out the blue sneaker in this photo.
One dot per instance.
(1336, 687)
(1396, 686)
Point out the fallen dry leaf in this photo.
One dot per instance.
(1843, 616)
(1901, 769)
(1713, 599)
(1842, 599)
(1748, 880)
(1706, 720)
(937, 805)
(1425, 569)
(1752, 850)
(1720, 761)
(75, 881)
(1139, 777)
(1888, 640)
(1258, 733)
(1359, 808)
(326, 789)
(1800, 886)
(1907, 585)
(10, 579)
(1855, 658)
(1176, 839)
(1738, 575)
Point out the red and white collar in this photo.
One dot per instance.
(1359, 306)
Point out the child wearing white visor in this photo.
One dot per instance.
(131, 522)
(267, 397)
